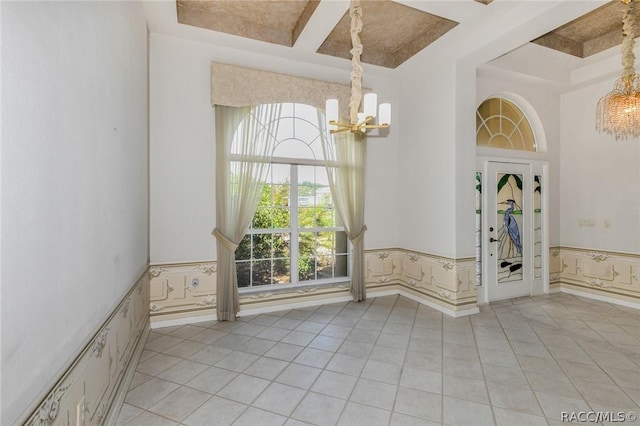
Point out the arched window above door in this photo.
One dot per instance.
(502, 124)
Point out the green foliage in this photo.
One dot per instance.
(270, 252)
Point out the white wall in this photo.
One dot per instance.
(183, 155)
(599, 176)
(427, 160)
(74, 182)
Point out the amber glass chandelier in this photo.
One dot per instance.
(618, 111)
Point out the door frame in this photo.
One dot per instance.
(537, 167)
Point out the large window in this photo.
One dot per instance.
(295, 237)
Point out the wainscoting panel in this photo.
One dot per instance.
(86, 393)
(609, 274)
(448, 284)
(180, 288)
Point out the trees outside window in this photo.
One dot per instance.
(295, 236)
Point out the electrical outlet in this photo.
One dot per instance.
(80, 410)
(195, 283)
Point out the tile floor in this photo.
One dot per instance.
(391, 361)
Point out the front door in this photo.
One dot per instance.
(508, 237)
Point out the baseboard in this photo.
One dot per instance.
(371, 293)
(600, 297)
(440, 308)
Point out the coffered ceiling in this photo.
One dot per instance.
(311, 37)
(589, 34)
(393, 30)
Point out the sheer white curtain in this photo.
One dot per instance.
(346, 155)
(244, 144)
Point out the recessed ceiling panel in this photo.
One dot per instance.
(273, 21)
(589, 34)
(391, 33)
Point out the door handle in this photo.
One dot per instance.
(493, 240)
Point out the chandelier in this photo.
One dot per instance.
(618, 111)
(360, 122)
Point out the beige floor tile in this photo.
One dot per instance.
(419, 404)
(626, 378)
(127, 412)
(237, 361)
(458, 412)
(210, 355)
(185, 349)
(554, 405)
(361, 415)
(273, 333)
(212, 379)
(300, 376)
(585, 372)
(604, 394)
(346, 364)
(511, 418)
(149, 419)
(326, 343)
(257, 346)
(157, 364)
(163, 343)
(147, 394)
(538, 364)
(215, 412)
(515, 399)
(138, 379)
(506, 376)
(284, 351)
(186, 331)
(279, 398)
(243, 388)
(183, 371)
(356, 349)
(319, 409)
(266, 368)
(460, 368)
(255, 416)
(399, 419)
(181, 403)
(387, 354)
(334, 384)
(557, 384)
(501, 358)
(467, 389)
(375, 394)
(382, 372)
(421, 380)
(393, 361)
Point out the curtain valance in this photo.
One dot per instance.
(236, 86)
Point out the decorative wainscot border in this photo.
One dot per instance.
(92, 389)
(612, 276)
(446, 284)
(182, 290)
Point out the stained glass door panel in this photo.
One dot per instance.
(511, 239)
(508, 237)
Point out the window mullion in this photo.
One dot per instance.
(293, 205)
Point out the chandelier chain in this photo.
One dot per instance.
(355, 12)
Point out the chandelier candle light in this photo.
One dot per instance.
(360, 122)
(618, 111)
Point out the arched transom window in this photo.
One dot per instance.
(501, 124)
